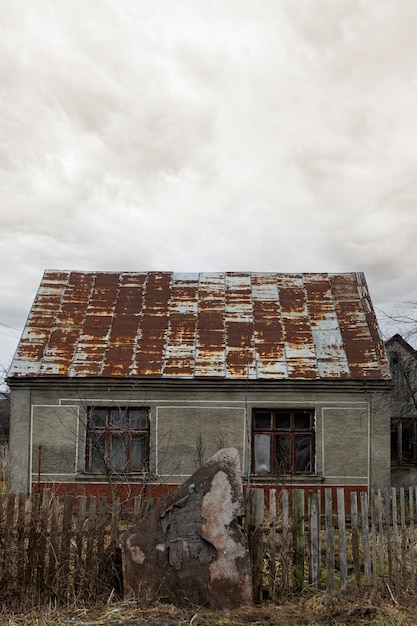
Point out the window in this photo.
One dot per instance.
(404, 441)
(117, 439)
(283, 441)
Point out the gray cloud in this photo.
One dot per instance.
(274, 136)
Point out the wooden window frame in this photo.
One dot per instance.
(126, 433)
(275, 431)
(399, 457)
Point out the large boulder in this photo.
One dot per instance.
(190, 547)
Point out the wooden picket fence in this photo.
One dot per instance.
(304, 539)
(68, 551)
(64, 552)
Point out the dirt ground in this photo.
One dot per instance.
(310, 609)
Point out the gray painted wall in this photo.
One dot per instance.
(192, 420)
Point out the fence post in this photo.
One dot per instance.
(411, 530)
(365, 537)
(272, 541)
(66, 543)
(355, 536)
(395, 537)
(285, 559)
(329, 539)
(403, 539)
(314, 532)
(342, 535)
(255, 517)
(298, 535)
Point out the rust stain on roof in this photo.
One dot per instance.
(207, 325)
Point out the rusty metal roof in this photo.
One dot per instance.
(207, 325)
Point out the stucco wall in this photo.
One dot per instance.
(190, 421)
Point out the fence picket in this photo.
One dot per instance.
(255, 518)
(314, 536)
(355, 536)
(403, 539)
(396, 560)
(381, 538)
(53, 554)
(285, 551)
(20, 539)
(329, 539)
(342, 536)
(388, 532)
(373, 514)
(365, 537)
(66, 540)
(298, 538)
(411, 536)
(272, 543)
(82, 509)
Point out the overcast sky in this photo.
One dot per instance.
(198, 135)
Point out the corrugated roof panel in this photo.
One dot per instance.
(358, 343)
(210, 357)
(268, 334)
(65, 332)
(331, 357)
(240, 351)
(90, 354)
(152, 336)
(41, 319)
(124, 330)
(182, 327)
(298, 339)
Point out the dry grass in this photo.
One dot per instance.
(349, 608)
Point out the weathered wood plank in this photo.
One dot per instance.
(387, 499)
(314, 537)
(373, 514)
(341, 517)
(298, 539)
(330, 560)
(381, 535)
(65, 552)
(285, 550)
(355, 536)
(411, 536)
(365, 537)
(403, 539)
(79, 541)
(53, 554)
(396, 560)
(255, 517)
(272, 544)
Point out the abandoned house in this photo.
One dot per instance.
(127, 382)
(403, 364)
